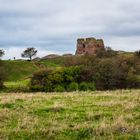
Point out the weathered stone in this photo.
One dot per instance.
(89, 45)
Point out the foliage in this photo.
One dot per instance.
(29, 53)
(107, 52)
(117, 72)
(1, 52)
(2, 75)
(137, 53)
(48, 79)
(59, 88)
(114, 73)
(16, 86)
(72, 87)
(87, 86)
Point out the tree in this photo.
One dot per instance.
(137, 53)
(105, 52)
(1, 53)
(29, 53)
(2, 74)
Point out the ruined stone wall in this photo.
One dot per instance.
(88, 45)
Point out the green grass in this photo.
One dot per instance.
(21, 70)
(17, 86)
(107, 115)
(17, 70)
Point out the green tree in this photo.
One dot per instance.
(29, 53)
(1, 53)
(107, 52)
(137, 53)
(2, 73)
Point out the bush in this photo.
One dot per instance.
(48, 80)
(91, 86)
(72, 87)
(137, 53)
(117, 72)
(107, 52)
(2, 75)
(86, 86)
(59, 88)
(132, 80)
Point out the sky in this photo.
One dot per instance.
(53, 26)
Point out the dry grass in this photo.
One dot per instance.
(84, 115)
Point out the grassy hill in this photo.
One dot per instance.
(96, 115)
(21, 70)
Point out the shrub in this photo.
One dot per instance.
(40, 81)
(87, 86)
(59, 88)
(48, 80)
(132, 79)
(103, 74)
(72, 87)
(91, 86)
(86, 74)
(107, 52)
(2, 75)
(137, 53)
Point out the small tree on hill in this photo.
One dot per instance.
(2, 74)
(1, 53)
(29, 53)
(137, 53)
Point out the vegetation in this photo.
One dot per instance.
(137, 53)
(66, 79)
(107, 52)
(1, 52)
(19, 70)
(29, 53)
(116, 72)
(75, 112)
(120, 71)
(105, 115)
(2, 75)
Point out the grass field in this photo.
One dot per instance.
(107, 115)
(22, 70)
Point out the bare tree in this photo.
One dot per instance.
(29, 53)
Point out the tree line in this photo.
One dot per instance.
(90, 73)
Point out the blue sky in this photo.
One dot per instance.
(53, 26)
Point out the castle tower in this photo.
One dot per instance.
(89, 45)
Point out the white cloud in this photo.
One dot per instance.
(57, 24)
(12, 52)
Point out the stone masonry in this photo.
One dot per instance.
(89, 45)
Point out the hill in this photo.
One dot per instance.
(21, 70)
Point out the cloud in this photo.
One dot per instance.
(12, 52)
(55, 26)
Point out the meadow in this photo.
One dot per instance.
(98, 115)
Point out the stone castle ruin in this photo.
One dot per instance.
(89, 46)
